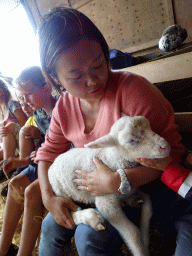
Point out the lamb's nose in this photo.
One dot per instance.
(165, 148)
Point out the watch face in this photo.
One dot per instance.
(125, 190)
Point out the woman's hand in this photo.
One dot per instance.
(99, 182)
(30, 132)
(4, 130)
(61, 208)
(159, 164)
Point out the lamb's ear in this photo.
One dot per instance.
(103, 142)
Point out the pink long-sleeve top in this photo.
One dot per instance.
(125, 92)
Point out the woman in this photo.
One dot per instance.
(75, 57)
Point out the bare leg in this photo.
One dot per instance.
(33, 213)
(12, 212)
(1, 153)
(26, 146)
(12, 163)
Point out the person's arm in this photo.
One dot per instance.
(20, 116)
(174, 176)
(159, 164)
(104, 181)
(141, 175)
(59, 207)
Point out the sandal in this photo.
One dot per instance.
(4, 191)
(13, 250)
(2, 175)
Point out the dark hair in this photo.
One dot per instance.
(60, 29)
(31, 76)
(4, 110)
(6, 92)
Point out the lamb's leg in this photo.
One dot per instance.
(146, 212)
(90, 217)
(109, 206)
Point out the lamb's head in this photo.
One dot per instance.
(134, 135)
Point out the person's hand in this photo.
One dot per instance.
(13, 163)
(189, 159)
(33, 155)
(99, 182)
(61, 208)
(159, 164)
(4, 130)
(30, 132)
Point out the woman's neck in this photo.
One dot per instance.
(90, 104)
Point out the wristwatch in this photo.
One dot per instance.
(125, 186)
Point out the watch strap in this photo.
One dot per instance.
(125, 186)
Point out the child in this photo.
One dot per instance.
(29, 139)
(75, 57)
(26, 145)
(12, 119)
(37, 94)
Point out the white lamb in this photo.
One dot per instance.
(130, 137)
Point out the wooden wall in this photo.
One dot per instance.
(127, 25)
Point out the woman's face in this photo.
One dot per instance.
(82, 70)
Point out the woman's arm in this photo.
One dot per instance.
(20, 116)
(141, 175)
(59, 207)
(104, 181)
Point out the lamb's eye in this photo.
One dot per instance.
(132, 141)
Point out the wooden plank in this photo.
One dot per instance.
(168, 69)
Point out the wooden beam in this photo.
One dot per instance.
(168, 69)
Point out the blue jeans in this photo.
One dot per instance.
(171, 221)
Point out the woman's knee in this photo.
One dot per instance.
(184, 236)
(55, 239)
(184, 228)
(89, 240)
(53, 231)
(47, 225)
(84, 233)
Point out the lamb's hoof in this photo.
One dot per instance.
(99, 226)
(95, 220)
